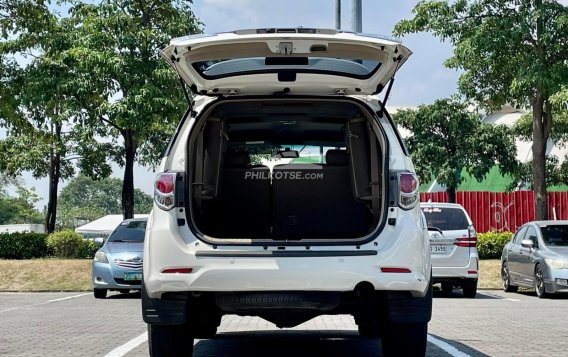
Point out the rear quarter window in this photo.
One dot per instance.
(445, 219)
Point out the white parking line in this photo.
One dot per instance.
(43, 303)
(499, 297)
(128, 346)
(69, 297)
(451, 350)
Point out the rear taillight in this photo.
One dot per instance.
(164, 190)
(466, 242)
(470, 241)
(408, 190)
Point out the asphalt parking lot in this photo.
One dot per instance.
(72, 324)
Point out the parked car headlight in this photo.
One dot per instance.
(557, 264)
(101, 257)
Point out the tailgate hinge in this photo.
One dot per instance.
(340, 91)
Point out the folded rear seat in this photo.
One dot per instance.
(243, 207)
(316, 201)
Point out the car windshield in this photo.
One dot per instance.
(555, 236)
(445, 219)
(129, 232)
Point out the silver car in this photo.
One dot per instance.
(453, 247)
(537, 257)
(118, 264)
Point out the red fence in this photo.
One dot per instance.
(502, 211)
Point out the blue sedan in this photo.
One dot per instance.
(118, 264)
(537, 257)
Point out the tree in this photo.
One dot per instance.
(511, 51)
(446, 138)
(20, 209)
(40, 136)
(85, 199)
(136, 99)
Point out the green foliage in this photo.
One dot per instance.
(20, 209)
(87, 199)
(23, 245)
(65, 244)
(446, 138)
(490, 245)
(510, 52)
(88, 249)
(134, 97)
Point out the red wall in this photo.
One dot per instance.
(502, 211)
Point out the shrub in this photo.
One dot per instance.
(23, 245)
(65, 244)
(88, 249)
(490, 245)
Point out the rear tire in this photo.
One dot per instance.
(100, 293)
(447, 288)
(405, 339)
(169, 340)
(506, 278)
(470, 288)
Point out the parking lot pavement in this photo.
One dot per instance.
(70, 324)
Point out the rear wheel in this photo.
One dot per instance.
(169, 340)
(539, 282)
(447, 288)
(100, 293)
(405, 339)
(470, 288)
(506, 278)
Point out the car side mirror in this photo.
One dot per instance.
(99, 241)
(527, 243)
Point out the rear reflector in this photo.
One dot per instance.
(395, 270)
(472, 271)
(466, 242)
(177, 270)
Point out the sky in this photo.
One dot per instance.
(421, 80)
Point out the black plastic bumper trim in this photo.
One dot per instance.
(285, 254)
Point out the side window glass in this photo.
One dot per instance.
(519, 236)
(531, 234)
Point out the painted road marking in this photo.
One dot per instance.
(128, 346)
(69, 297)
(43, 303)
(451, 350)
(497, 296)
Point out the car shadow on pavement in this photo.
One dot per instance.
(287, 343)
(557, 296)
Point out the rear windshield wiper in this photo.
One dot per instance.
(124, 241)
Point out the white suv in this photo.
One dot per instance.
(453, 245)
(286, 193)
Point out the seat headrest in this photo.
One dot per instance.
(336, 157)
(237, 159)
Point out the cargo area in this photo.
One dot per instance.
(286, 170)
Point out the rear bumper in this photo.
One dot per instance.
(168, 245)
(470, 271)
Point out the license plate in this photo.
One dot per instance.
(438, 249)
(132, 275)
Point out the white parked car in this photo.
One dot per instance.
(453, 245)
(286, 193)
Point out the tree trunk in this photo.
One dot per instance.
(451, 194)
(54, 175)
(539, 158)
(128, 182)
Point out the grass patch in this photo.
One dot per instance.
(75, 274)
(48, 274)
(490, 274)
